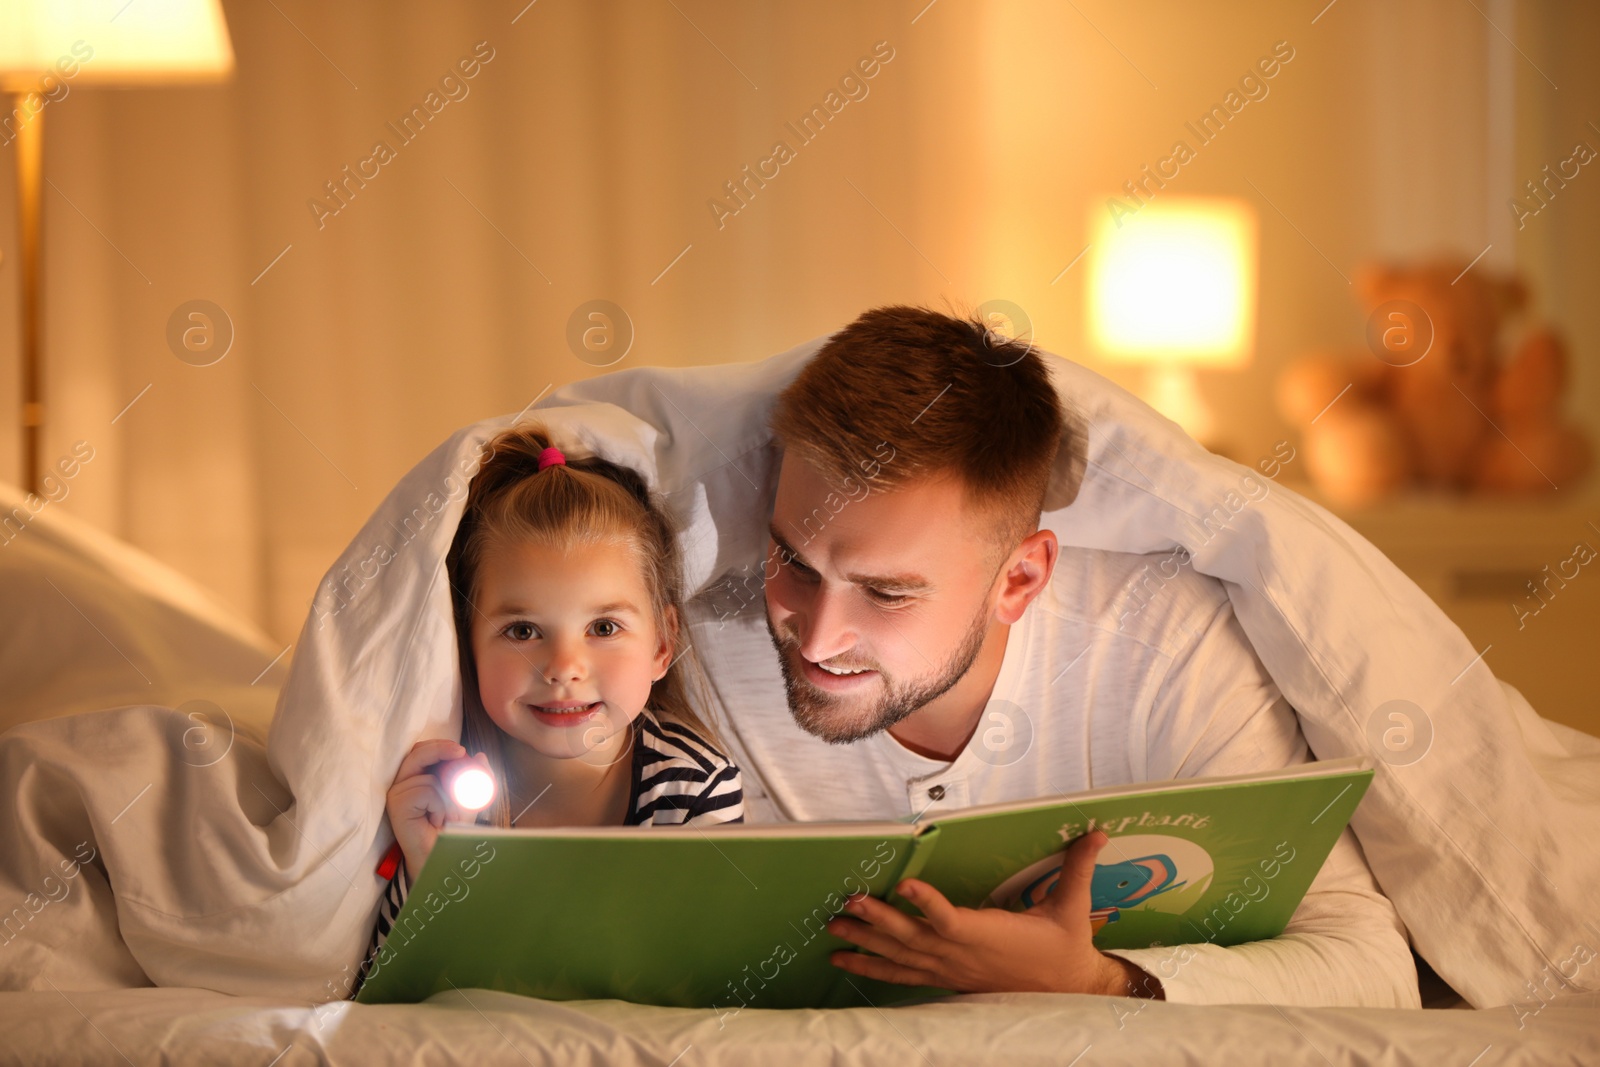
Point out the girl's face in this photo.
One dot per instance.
(565, 644)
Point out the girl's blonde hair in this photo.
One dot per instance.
(582, 502)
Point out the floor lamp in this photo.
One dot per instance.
(48, 48)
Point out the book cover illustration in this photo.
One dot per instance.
(1151, 868)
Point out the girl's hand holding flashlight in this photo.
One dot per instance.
(436, 783)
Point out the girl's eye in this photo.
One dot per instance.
(521, 631)
(605, 628)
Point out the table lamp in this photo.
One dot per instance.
(1173, 285)
(49, 48)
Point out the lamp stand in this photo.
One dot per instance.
(30, 146)
(1174, 390)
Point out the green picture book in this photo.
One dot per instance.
(733, 916)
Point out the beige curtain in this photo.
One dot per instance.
(581, 159)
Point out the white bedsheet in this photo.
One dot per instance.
(477, 1027)
(252, 874)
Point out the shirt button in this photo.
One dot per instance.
(936, 793)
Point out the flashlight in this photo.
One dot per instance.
(467, 782)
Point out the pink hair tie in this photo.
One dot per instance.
(551, 457)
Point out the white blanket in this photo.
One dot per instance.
(253, 874)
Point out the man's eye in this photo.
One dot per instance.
(521, 631)
(605, 628)
(885, 598)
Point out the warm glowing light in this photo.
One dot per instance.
(111, 42)
(1175, 282)
(472, 788)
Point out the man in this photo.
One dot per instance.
(922, 645)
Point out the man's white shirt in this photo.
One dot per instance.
(1098, 686)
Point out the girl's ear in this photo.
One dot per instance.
(668, 642)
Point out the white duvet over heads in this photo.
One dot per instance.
(254, 875)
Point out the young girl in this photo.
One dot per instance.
(568, 608)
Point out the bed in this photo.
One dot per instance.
(113, 974)
(480, 1027)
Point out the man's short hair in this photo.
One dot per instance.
(949, 396)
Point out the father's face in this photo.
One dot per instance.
(880, 602)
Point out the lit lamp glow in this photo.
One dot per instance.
(1173, 285)
(48, 48)
(467, 783)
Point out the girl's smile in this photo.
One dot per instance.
(565, 715)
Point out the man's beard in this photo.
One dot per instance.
(821, 714)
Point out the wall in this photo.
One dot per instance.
(581, 163)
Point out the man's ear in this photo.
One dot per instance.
(1025, 574)
(668, 643)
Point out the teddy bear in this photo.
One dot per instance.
(1434, 400)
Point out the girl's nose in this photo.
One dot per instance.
(565, 665)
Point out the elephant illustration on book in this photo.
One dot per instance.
(1146, 868)
(1114, 886)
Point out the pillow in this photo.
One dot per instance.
(91, 622)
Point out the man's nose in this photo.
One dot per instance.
(825, 627)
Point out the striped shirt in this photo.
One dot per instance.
(678, 779)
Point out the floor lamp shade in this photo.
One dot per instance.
(118, 42)
(47, 48)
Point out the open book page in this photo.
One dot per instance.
(735, 916)
(1223, 860)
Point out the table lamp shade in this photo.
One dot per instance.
(1174, 283)
(112, 42)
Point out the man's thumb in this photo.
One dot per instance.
(1071, 897)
